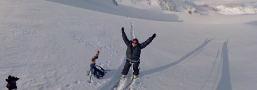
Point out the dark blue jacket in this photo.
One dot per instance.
(133, 53)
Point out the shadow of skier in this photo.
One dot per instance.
(225, 83)
(147, 72)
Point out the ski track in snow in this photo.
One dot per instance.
(211, 72)
(212, 77)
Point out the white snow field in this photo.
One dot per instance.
(48, 44)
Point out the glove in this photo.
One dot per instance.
(97, 52)
(154, 35)
(122, 29)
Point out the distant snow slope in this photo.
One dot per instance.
(169, 5)
(191, 8)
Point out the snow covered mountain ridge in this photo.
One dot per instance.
(236, 9)
(192, 8)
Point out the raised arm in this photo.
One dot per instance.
(125, 38)
(148, 41)
(95, 57)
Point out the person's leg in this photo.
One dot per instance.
(126, 68)
(135, 68)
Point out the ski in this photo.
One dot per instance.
(129, 84)
(133, 82)
(117, 84)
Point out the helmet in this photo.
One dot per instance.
(135, 40)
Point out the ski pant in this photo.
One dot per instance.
(127, 67)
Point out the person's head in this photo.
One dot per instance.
(134, 42)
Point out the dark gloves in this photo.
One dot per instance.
(154, 35)
(11, 82)
(122, 29)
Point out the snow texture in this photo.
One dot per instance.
(48, 44)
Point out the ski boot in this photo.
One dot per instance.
(123, 77)
(134, 77)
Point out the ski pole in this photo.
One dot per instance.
(89, 81)
(89, 72)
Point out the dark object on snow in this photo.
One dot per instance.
(115, 2)
(127, 67)
(11, 82)
(133, 52)
(98, 73)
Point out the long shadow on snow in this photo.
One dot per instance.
(254, 23)
(225, 83)
(107, 6)
(147, 72)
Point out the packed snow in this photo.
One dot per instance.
(48, 44)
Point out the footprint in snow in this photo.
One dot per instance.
(68, 85)
(77, 82)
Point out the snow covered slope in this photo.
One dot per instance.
(166, 5)
(48, 44)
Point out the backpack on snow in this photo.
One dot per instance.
(98, 73)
